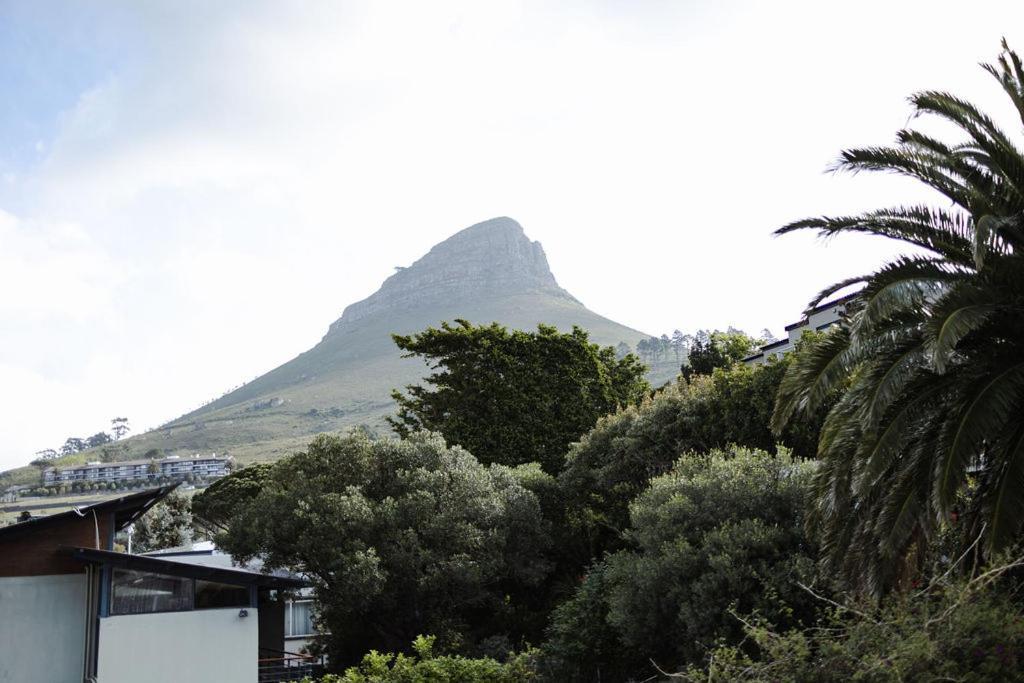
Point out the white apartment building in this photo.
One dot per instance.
(819, 318)
(173, 467)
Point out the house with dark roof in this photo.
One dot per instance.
(297, 608)
(819, 318)
(74, 609)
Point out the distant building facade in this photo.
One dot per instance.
(173, 467)
(819, 319)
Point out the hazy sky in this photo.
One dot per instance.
(191, 192)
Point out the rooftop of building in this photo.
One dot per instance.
(178, 567)
(847, 298)
(125, 510)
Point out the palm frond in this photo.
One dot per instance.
(1007, 505)
(946, 234)
(962, 311)
(811, 377)
(985, 412)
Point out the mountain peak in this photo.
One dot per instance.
(490, 259)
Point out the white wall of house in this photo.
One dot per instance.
(42, 628)
(170, 647)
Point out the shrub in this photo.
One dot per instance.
(425, 667)
(614, 462)
(968, 632)
(720, 531)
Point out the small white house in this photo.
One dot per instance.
(74, 610)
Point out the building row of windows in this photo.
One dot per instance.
(115, 472)
(135, 592)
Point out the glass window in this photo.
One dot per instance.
(213, 594)
(141, 592)
(300, 622)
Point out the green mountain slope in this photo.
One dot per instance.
(488, 272)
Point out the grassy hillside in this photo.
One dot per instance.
(343, 381)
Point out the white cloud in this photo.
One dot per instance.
(52, 271)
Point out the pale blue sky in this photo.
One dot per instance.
(191, 192)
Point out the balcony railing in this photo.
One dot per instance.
(278, 665)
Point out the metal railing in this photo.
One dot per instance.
(288, 666)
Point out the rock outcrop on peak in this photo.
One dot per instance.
(491, 259)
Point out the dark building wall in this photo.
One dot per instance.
(36, 551)
(271, 626)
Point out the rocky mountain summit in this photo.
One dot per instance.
(491, 259)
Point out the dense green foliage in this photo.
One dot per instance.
(930, 363)
(717, 350)
(399, 538)
(719, 530)
(614, 462)
(514, 397)
(214, 506)
(167, 525)
(423, 666)
(968, 632)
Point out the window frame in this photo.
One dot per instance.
(290, 619)
(111, 612)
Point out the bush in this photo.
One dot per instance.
(720, 531)
(969, 632)
(581, 644)
(424, 667)
(614, 462)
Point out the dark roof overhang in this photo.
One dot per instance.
(846, 298)
(822, 307)
(156, 565)
(125, 510)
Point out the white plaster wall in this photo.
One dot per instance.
(795, 334)
(171, 647)
(42, 628)
(829, 315)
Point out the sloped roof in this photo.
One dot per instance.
(159, 565)
(125, 509)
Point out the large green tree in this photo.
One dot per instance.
(399, 538)
(929, 365)
(514, 397)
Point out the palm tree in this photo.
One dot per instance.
(927, 368)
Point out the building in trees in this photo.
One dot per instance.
(818, 319)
